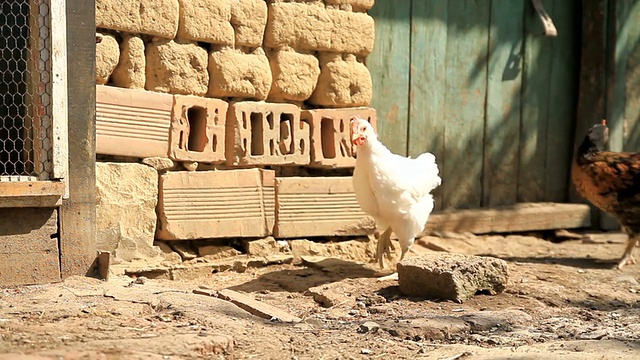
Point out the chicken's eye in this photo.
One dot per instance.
(364, 128)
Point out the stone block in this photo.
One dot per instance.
(132, 123)
(358, 5)
(176, 67)
(215, 252)
(318, 206)
(160, 163)
(456, 277)
(249, 19)
(206, 21)
(343, 82)
(151, 17)
(29, 252)
(261, 133)
(264, 247)
(330, 135)
(107, 56)
(234, 73)
(130, 72)
(294, 75)
(315, 254)
(126, 198)
(197, 129)
(307, 27)
(212, 204)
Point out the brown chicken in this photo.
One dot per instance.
(611, 181)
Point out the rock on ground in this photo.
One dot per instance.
(452, 276)
(265, 247)
(355, 250)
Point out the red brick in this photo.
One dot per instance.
(132, 123)
(318, 206)
(260, 133)
(214, 204)
(197, 129)
(330, 139)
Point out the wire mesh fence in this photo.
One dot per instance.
(25, 90)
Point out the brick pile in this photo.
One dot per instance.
(222, 86)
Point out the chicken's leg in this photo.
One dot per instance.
(627, 257)
(384, 246)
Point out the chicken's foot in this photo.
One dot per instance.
(384, 247)
(393, 276)
(627, 257)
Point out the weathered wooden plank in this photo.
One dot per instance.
(535, 108)
(465, 86)
(28, 246)
(623, 82)
(31, 188)
(78, 212)
(519, 217)
(252, 306)
(426, 94)
(31, 193)
(628, 70)
(562, 100)
(502, 128)
(592, 83)
(59, 92)
(389, 66)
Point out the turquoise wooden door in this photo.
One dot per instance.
(476, 83)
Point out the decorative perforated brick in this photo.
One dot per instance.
(330, 143)
(198, 129)
(132, 122)
(260, 133)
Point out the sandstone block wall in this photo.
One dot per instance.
(272, 50)
(229, 90)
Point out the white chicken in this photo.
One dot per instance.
(394, 190)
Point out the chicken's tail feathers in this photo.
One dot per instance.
(430, 166)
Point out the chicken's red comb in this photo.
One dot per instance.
(604, 122)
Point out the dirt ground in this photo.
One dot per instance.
(562, 302)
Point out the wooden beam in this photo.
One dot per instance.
(59, 91)
(78, 212)
(516, 218)
(31, 193)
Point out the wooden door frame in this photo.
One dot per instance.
(78, 211)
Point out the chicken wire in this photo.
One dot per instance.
(25, 90)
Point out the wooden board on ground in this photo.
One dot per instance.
(515, 218)
(251, 305)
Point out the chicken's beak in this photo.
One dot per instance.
(356, 137)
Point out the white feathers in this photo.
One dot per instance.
(395, 190)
